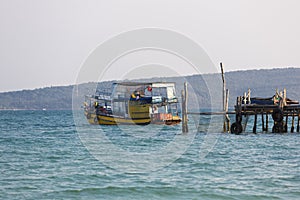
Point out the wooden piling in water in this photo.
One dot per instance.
(184, 94)
(298, 123)
(225, 94)
(286, 122)
(267, 122)
(226, 110)
(263, 121)
(246, 122)
(255, 123)
(293, 121)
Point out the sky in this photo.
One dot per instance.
(45, 42)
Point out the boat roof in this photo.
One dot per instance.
(153, 84)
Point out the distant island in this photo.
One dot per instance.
(262, 83)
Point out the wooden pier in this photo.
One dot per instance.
(281, 112)
(278, 108)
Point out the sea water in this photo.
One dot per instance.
(42, 156)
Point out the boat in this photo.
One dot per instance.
(134, 103)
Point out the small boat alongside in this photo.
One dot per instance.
(134, 103)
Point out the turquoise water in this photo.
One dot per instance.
(42, 157)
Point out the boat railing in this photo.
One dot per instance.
(160, 99)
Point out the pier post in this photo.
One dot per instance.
(226, 110)
(255, 122)
(224, 98)
(263, 121)
(286, 122)
(184, 109)
(284, 97)
(293, 120)
(246, 122)
(298, 123)
(267, 122)
(237, 127)
(249, 96)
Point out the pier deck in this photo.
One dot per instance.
(280, 111)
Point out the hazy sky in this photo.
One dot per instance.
(44, 42)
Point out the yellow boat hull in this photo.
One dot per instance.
(115, 120)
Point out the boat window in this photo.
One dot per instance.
(161, 91)
(171, 93)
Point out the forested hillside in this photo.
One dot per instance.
(263, 83)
